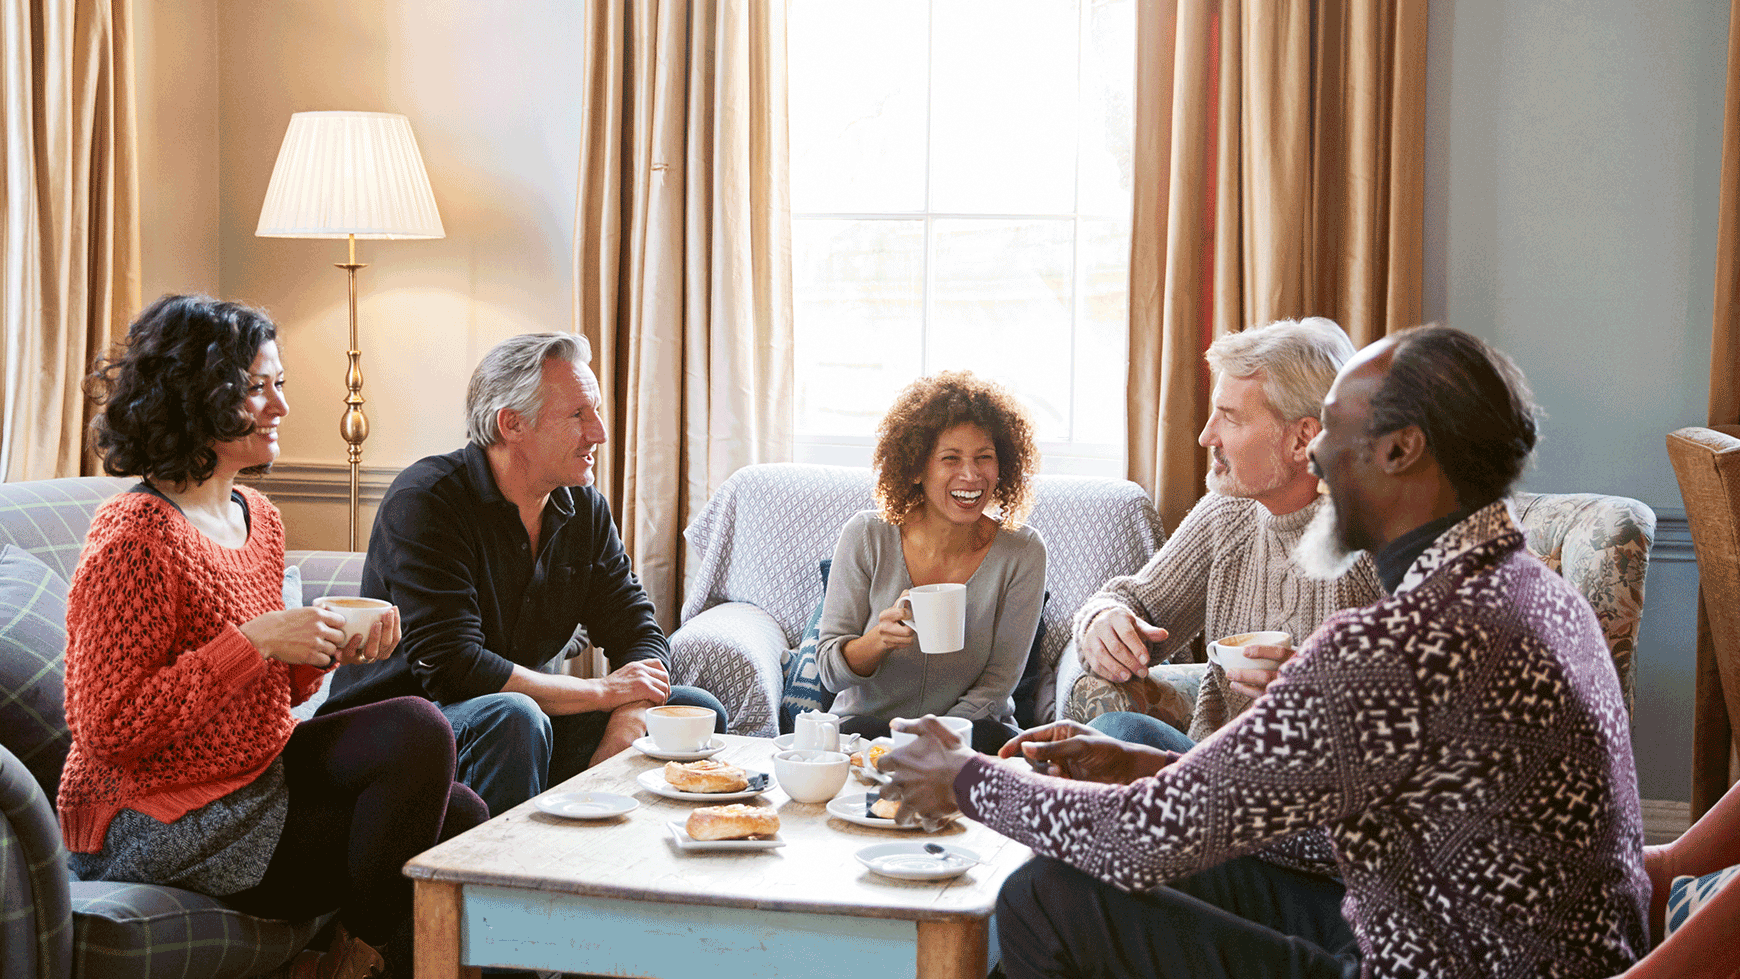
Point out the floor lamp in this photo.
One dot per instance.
(350, 175)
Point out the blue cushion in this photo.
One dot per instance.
(33, 665)
(1687, 894)
(803, 681)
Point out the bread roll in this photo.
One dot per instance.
(734, 822)
(885, 808)
(706, 775)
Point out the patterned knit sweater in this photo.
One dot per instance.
(1465, 743)
(169, 705)
(1229, 569)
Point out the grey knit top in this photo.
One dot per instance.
(1004, 598)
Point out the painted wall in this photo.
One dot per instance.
(1573, 150)
(176, 73)
(489, 88)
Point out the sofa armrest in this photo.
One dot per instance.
(36, 933)
(327, 572)
(733, 651)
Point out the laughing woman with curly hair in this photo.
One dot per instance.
(952, 446)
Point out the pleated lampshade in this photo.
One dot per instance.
(349, 173)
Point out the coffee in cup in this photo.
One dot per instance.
(1230, 654)
(939, 616)
(359, 613)
(680, 727)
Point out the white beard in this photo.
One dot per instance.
(1321, 554)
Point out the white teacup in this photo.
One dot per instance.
(811, 776)
(939, 616)
(816, 731)
(1230, 652)
(359, 613)
(961, 726)
(680, 727)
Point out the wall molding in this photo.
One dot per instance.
(1673, 537)
(324, 482)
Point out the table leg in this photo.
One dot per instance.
(952, 949)
(437, 930)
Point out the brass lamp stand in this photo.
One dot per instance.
(350, 175)
(354, 426)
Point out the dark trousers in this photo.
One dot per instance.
(509, 750)
(1245, 919)
(989, 736)
(370, 788)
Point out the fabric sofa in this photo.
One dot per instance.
(55, 927)
(1600, 544)
(758, 543)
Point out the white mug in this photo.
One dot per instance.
(359, 613)
(1230, 652)
(678, 727)
(816, 731)
(939, 616)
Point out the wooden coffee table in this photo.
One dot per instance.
(532, 891)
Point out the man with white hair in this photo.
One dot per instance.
(496, 554)
(1228, 568)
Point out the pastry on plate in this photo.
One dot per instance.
(884, 808)
(867, 759)
(734, 822)
(705, 775)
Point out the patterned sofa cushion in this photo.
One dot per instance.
(803, 679)
(33, 665)
(142, 931)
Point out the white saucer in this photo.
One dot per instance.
(644, 744)
(908, 861)
(680, 836)
(585, 805)
(654, 781)
(851, 809)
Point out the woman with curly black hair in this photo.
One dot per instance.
(187, 767)
(951, 447)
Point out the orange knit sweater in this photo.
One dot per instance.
(169, 705)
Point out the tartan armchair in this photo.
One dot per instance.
(51, 926)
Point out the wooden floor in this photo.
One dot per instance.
(1664, 820)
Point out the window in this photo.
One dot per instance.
(961, 199)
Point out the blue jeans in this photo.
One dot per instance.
(510, 750)
(1142, 729)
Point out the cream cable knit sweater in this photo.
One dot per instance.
(1229, 569)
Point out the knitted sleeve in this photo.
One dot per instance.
(1171, 590)
(129, 689)
(1308, 753)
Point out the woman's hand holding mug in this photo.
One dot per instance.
(299, 636)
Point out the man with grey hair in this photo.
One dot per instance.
(1229, 567)
(496, 554)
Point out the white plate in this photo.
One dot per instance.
(858, 771)
(644, 744)
(908, 861)
(680, 836)
(654, 781)
(585, 805)
(851, 809)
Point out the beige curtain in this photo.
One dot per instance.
(1279, 173)
(1725, 338)
(69, 261)
(683, 258)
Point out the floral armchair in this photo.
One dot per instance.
(1600, 544)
